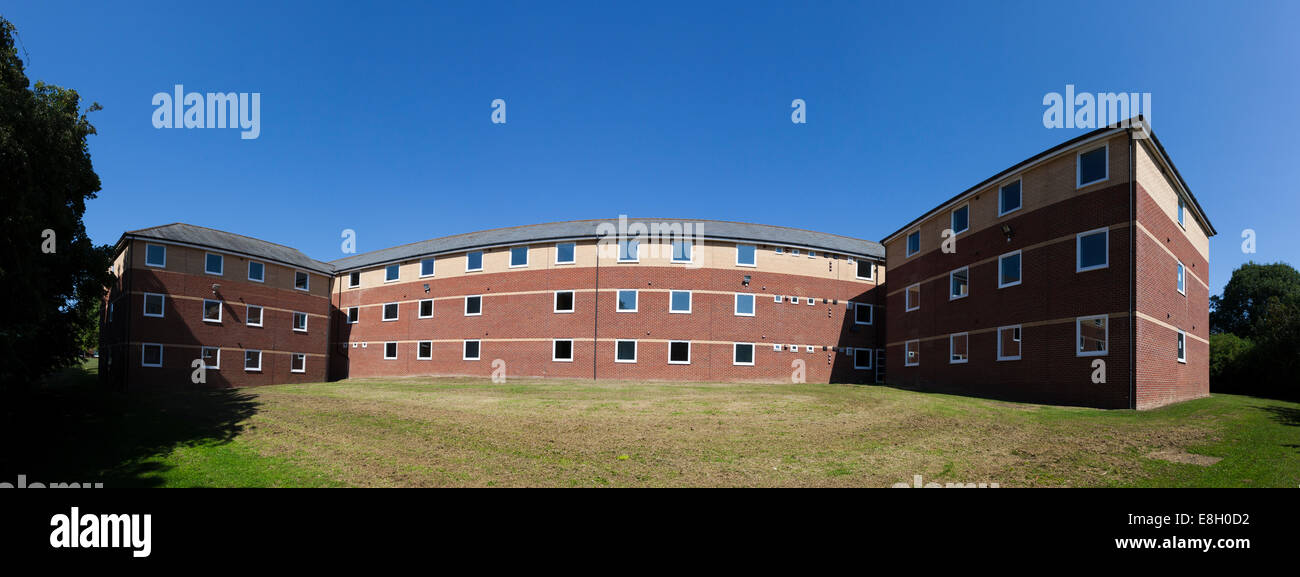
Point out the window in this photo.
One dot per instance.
(564, 253)
(473, 305)
(812, 301)
(392, 273)
(776, 298)
(628, 250)
(1182, 280)
(794, 300)
(1090, 334)
(679, 302)
(301, 280)
(862, 359)
(470, 351)
(153, 304)
(518, 256)
(913, 298)
(426, 309)
(1182, 347)
(794, 252)
(912, 353)
(151, 355)
(256, 271)
(211, 311)
(778, 250)
(959, 283)
(155, 255)
(1009, 197)
(563, 301)
(353, 315)
(426, 267)
(1092, 250)
(300, 322)
(390, 350)
(913, 242)
(298, 363)
(1182, 210)
(866, 270)
(214, 264)
(625, 351)
(679, 352)
(424, 350)
(354, 280)
(744, 305)
(474, 261)
(390, 311)
(211, 357)
(812, 254)
(863, 313)
(253, 316)
(747, 254)
(626, 301)
(742, 354)
(1009, 269)
(562, 350)
(683, 250)
(1092, 166)
(252, 360)
(961, 219)
(958, 346)
(1009, 343)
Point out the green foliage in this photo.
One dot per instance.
(1243, 307)
(1255, 340)
(1227, 356)
(46, 176)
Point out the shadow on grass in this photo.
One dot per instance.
(72, 431)
(1283, 415)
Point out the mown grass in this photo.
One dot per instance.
(471, 432)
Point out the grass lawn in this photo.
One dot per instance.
(470, 432)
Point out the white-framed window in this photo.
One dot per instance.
(811, 301)
(742, 354)
(683, 250)
(958, 348)
(151, 355)
(1182, 212)
(298, 363)
(794, 300)
(1182, 279)
(627, 299)
(155, 305)
(913, 242)
(625, 351)
(300, 322)
(424, 350)
(252, 360)
(679, 352)
(1009, 197)
(862, 359)
(393, 273)
(777, 298)
(912, 298)
(566, 252)
(301, 280)
(562, 350)
(865, 270)
(427, 267)
(1009, 343)
(564, 301)
(354, 279)
(473, 305)
(1092, 250)
(518, 256)
(214, 264)
(155, 255)
(354, 315)
(778, 347)
(256, 271)
(778, 250)
(390, 351)
(253, 316)
(629, 250)
(960, 219)
(390, 312)
(747, 254)
(1182, 347)
(863, 313)
(1009, 269)
(211, 311)
(794, 252)
(793, 348)
(211, 357)
(744, 305)
(912, 353)
(1093, 166)
(474, 261)
(1090, 334)
(812, 254)
(679, 302)
(426, 309)
(470, 351)
(959, 283)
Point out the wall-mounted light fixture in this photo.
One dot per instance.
(1006, 231)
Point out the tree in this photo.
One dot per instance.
(1255, 325)
(1243, 308)
(51, 275)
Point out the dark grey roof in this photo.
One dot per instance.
(226, 241)
(578, 229)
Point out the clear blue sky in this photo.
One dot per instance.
(376, 116)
